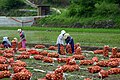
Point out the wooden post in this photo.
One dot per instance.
(39, 11)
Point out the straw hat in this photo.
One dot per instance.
(66, 35)
(16, 39)
(19, 30)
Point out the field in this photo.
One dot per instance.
(39, 68)
(48, 36)
(86, 37)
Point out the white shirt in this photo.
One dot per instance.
(60, 39)
(6, 39)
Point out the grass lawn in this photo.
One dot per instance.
(86, 37)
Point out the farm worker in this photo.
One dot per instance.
(14, 43)
(22, 38)
(6, 42)
(69, 41)
(60, 40)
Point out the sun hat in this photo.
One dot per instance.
(63, 32)
(19, 30)
(15, 39)
(66, 35)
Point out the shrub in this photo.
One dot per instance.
(105, 9)
(11, 4)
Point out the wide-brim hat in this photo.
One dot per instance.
(66, 35)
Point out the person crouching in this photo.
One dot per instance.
(70, 43)
(6, 42)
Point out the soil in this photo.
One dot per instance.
(88, 48)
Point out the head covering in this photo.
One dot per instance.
(66, 35)
(19, 30)
(16, 39)
(5, 38)
(63, 32)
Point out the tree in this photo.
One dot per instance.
(11, 4)
(82, 8)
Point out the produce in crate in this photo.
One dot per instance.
(22, 49)
(48, 59)
(103, 63)
(113, 64)
(94, 69)
(31, 51)
(70, 68)
(3, 60)
(38, 57)
(8, 55)
(53, 54)
(103, 74)
(56, 75)
(44, 53)
(22, 75)
(78, 51)
(62, 50)
(25, 53)
(11, 60)
(86, 62)
(19, 63)
(61, 60)
(95, 59)
(5, 74)
(70, 61)
(52, 48)
(76, 45)
(106, 51)
(23, 57)
(39, 46)
(114, 71)
(69, 49)
(78, 57)
(9, 50)
(3, 67)
(1, 51)
(87, 79)
(98, 51)
(114, 51)
(17, 69)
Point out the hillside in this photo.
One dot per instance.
(86, 14)
(73, 13)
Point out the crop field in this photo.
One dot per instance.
(80, 67)
(86, 37)
(40, 67)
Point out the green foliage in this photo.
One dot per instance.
(10, 4)
(57, 20)
(60, 3)
(105, 9)
(87, 13)
(81, 8)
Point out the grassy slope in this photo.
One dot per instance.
(86, 37)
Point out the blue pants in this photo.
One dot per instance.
(59, 48)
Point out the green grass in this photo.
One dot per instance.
(86, 37)
(67, 29)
